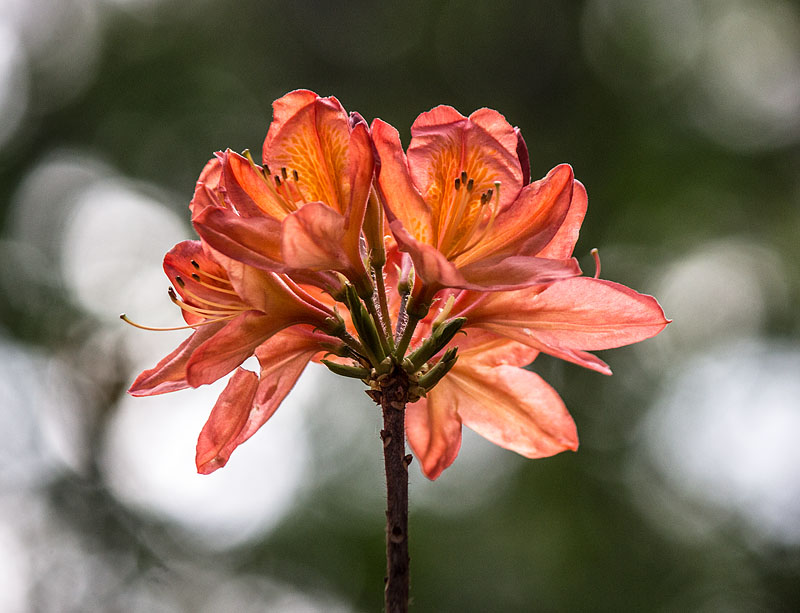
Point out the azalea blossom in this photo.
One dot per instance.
(341, 248)
(461, 204)
(303, 210)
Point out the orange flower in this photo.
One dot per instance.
(303, 210)
(236, 311)
(281, 273)
(461, 206)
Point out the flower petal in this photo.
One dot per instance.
(402, 200)
(361, 167)
(530, 222)
(433, 429)
(253, 240)
(169, 375)
(563, 243)
(283, 359)
(311, 135)
(248, 190)
(444, 143)
(572, 316)
(429, 263)
(513, 408)
(517, 272)
(226, 421)
(229, 347)
(204, 192)
(312, 238)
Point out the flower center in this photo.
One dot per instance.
(466, 217)
(196, 299)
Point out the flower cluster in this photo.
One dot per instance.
(437, 272)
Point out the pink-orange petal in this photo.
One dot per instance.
(169, 375)
(516, 272)
(401, 199)
(444, 143)
(513, 408)
(254, 241)
(224, 425)
(530, 222)
(248, 190)
(563, 243)
(312, 139)
(433, 429)
(229, 347)
(312, 239)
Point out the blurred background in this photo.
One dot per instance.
(682, 118)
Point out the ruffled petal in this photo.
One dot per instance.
(517, 272)
(255, 241)
(204, 192)
(169, 375)
(312, 239)
(228, 417)
(402, 200)
(310, 136)
(229, 347)
(444, 143)
(513, 408)
(248, 189)
(433, 429)
(530, 222)
(361, 168)
(571, 317)
(235, 419)
(563, 243)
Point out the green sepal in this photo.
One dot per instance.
(437, 341)
(440, 369)
(354, 372)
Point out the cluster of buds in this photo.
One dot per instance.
(432, 275)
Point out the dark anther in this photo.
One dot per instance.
(483, 198)
(180, 282)
(470, 185)
(277, 180)
(295, 176)
(266, 170)
(196, 265)
(171, 293)
(458, 184)
(463, 176)
(195, 276)
(284, 173)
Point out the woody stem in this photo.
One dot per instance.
(393, 398)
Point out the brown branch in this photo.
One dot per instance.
(393, 397)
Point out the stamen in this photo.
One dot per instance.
(204, 313)
(195, 264)
(284, 173)
(180, 281)
(195, 276)
(463, 176)
(470, 185)
(295, 176)
(210, 302)
(124, 318)
(214, 277)
(458, 183)
(277, 180)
